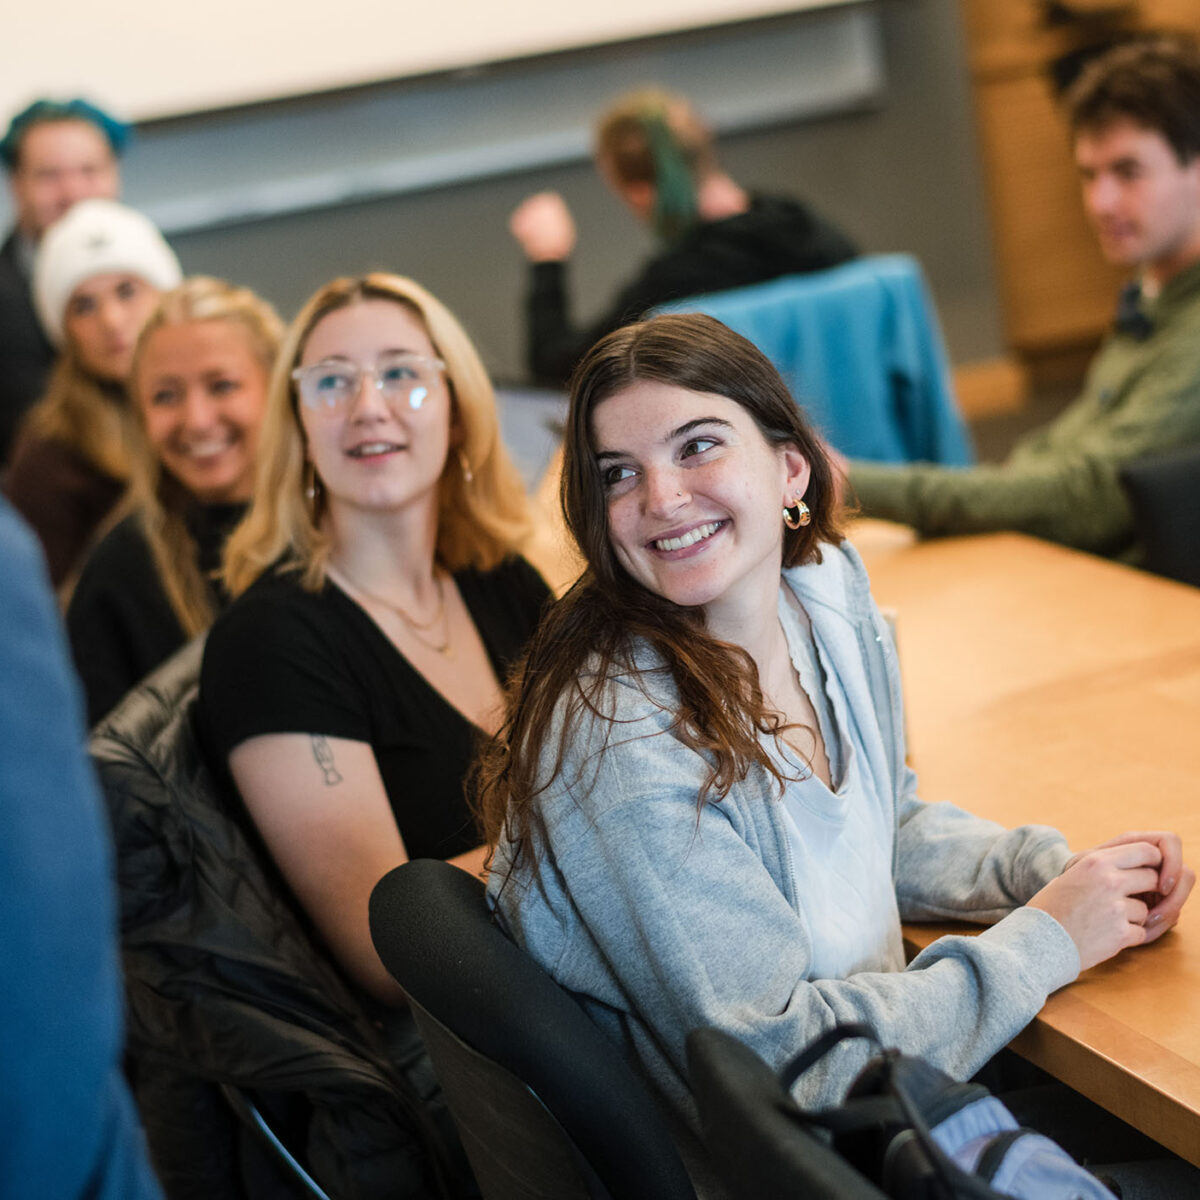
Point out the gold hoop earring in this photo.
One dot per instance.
(802, 515)
(314, 489)
(465, 464)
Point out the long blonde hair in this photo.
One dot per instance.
(480, 523)
(159, 499)
(89, 415)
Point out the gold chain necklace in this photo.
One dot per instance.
(418, 628)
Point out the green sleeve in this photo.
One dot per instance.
(1073, 499)
(1062, 482)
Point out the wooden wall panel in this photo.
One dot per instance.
(1056, 289)
(1055, 286)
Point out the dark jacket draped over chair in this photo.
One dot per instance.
(227, 984)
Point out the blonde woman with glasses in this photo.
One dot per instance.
(380, 600)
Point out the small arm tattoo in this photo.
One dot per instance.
(324, 756)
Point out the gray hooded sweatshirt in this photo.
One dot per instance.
(662, 920)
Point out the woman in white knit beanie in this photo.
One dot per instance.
(98, 275)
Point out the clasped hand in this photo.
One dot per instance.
(1126, 892)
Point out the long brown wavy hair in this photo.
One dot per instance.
(591, 634)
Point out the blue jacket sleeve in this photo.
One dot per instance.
(67, 1125)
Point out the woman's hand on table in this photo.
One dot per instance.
(1175, 878)
(1126, 892)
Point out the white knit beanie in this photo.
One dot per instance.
(96, 237)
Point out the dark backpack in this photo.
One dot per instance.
(918, 1135)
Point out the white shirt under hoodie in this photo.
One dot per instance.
(841, 850)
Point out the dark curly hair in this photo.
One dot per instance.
(1154, 82)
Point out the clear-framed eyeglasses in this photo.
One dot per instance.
(404, 380)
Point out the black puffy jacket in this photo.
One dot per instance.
(227, 984)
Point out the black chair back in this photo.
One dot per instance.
(545, 1103)
(753, 1131)
(1164, 492)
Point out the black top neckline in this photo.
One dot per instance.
(463, 580)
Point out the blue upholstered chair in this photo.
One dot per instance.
(861, 349)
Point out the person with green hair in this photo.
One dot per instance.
(658, 155)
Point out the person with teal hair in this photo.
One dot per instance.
(55, 152)
(657, 154)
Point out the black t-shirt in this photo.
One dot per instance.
(285, 660)
(120, 622)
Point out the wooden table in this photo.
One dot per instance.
(1048, 686)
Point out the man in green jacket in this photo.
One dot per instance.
(1135, 118)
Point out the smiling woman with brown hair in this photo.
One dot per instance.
(700, 800)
